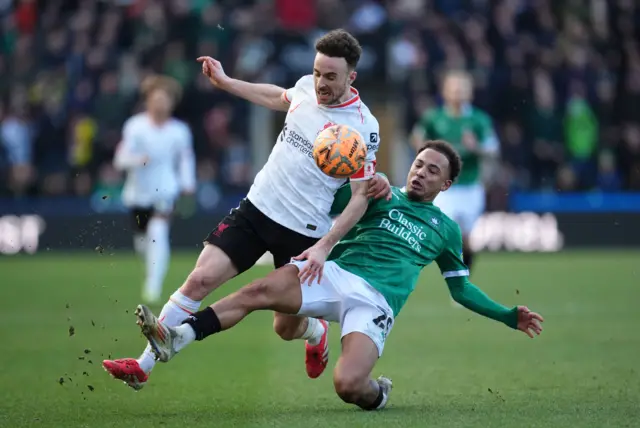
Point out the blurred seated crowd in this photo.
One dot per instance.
(560, 79)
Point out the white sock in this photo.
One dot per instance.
(157, 257)
(140, 243)
(313, 333)
(186, 335)
(173, 313)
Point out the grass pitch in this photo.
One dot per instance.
(450, 367)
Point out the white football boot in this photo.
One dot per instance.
(160, 337)
(386, 386)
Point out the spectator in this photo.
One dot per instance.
(581, 134)
(16, 134)
(561, 81)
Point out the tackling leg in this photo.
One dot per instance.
(278, 291)
(213, 268)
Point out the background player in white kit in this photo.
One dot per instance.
(287, 209)
(156, 152)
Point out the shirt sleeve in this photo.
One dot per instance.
(450, 259)
(456, 275)
(287, 95)
(476, 300)
(371, 137)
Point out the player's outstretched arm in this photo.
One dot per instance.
(317, 255)
(471, 297)
(264, 94)
(474, 299)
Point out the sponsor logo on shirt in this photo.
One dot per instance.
(398, 224)
(296, 141)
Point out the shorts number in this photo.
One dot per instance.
(384, 322)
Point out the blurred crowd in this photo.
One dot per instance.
(561, 80)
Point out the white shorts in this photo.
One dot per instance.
(348, 299)
(464, 204)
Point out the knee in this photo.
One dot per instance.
(349, 387)
(199, 283)
(284, 328)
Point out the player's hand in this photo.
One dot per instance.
(214, 71)
(469, 141)
(379, 187)
(529, 322)
(315, 256)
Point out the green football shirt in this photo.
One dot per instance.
(439, 124)
(394, 240)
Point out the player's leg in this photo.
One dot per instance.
(279, 291)
(213, 268)
(366, 322)
(291, 327)
(229, 249)
(140, 217)
(158, 252)
(352, 375)
(471, 206)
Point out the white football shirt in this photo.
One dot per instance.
(170, 167)
(290, 189)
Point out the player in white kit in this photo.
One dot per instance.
(287, 209)
(156, 152)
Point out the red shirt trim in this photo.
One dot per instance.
(353, 99)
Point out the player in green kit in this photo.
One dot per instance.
(363, 285)
(470, 131)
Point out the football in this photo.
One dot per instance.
(339, 151)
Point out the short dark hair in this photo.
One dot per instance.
(340, 44)
(441, 146)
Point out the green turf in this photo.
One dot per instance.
(450, 368)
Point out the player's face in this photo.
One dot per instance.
(428, 176)
(457, 90)
(332, 78)
(159, 103)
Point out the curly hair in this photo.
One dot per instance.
(340, 44)
(441, 146)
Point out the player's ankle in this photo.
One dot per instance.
(313, 333)
(379, 402)
(147, 361)
(204, 323)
